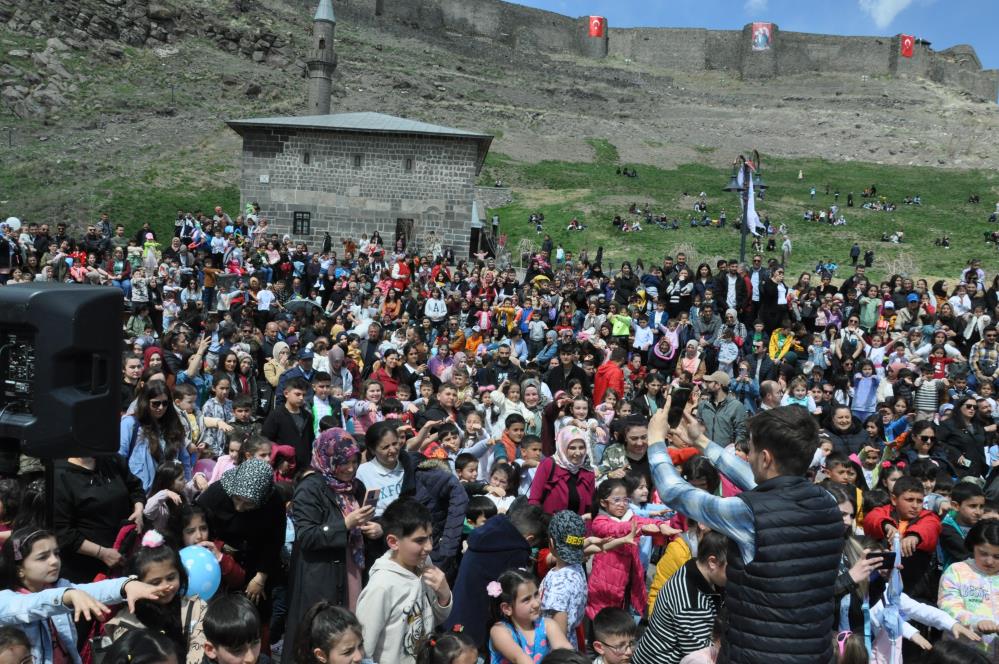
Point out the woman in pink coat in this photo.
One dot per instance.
(617, 579)
(564, 481)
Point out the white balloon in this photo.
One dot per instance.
(13, 223)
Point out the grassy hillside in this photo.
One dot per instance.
(593, 193)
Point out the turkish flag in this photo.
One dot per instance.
(597, 24)
(908, 42)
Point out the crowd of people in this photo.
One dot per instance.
(398, 457)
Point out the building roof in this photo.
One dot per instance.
(365, 123)
(324, 12)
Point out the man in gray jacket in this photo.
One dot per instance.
(724, 417)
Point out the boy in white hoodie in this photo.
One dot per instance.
(406, 596)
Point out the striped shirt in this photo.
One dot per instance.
(682, 619)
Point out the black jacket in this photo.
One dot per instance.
(319, 556)
(850, 441)
(969, 442)
(257, 535)
(721, 292)
(771, 313)
(280, 427)
(494, 374)
(92, 505)
(781, 604)
(556, 379)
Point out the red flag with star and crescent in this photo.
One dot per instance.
(597, 24)
(908, 43)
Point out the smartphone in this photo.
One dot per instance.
(371, 497)
(887, 558)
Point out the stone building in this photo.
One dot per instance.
(354, 173)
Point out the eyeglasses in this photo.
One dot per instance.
(968, 405)
(619, 500)
(622, 648)
(159, 403)
(926, 439)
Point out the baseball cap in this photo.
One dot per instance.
(719, 377)
(306, 354)
(568, 533)
(912, 297)
(889, 305)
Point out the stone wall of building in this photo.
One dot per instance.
(289, 171)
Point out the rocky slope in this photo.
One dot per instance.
(106, 89)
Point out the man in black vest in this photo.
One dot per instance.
(787, 534)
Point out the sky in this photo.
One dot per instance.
(944, 23)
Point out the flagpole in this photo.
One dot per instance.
(744, 227)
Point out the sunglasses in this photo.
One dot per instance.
(926, 439)
(159, 403)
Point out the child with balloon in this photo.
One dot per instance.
(174, 613)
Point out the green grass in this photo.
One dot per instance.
(133, 203)
(604, 151)
(594, 194)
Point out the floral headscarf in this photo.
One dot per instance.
(565, 436)
(251, 480)
(334, 448)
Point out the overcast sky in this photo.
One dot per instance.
(942, 22)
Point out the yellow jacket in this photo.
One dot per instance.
(777, 350)
(675, 556)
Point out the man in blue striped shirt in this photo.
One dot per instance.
(788, 532)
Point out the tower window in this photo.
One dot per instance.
(322, 44)
(358, 161)
(306, 157)
(408, 164)
(301, 223)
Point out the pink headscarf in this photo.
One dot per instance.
(565, 436)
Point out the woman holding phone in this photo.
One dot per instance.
(331, 521)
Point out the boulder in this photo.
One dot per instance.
(259, 56)
(12, 94)
(161, 11)
(9, 70)
(56, 44)
(113, 49)
(253, 90)
(18, 53)
(49, 97)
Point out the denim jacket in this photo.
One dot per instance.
(31, 613)
(140, 461)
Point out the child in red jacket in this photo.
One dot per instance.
(919, 530)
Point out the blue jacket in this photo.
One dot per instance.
(140, 461)
(31, 613)
(439, 490)
(493, 548)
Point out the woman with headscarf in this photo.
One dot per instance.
(278, 363)
(662, 356)
(248, 516)
(331, 521)
(565, 481)
(691, 361)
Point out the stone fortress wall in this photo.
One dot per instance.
(686, 49)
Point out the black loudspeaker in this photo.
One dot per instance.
(60, 367)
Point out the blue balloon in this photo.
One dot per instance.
(203, 572)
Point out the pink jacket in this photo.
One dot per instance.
(550, 488)
(619, 570)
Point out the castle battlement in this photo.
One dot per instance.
(689, 49)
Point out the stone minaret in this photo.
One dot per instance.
(322, 59)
